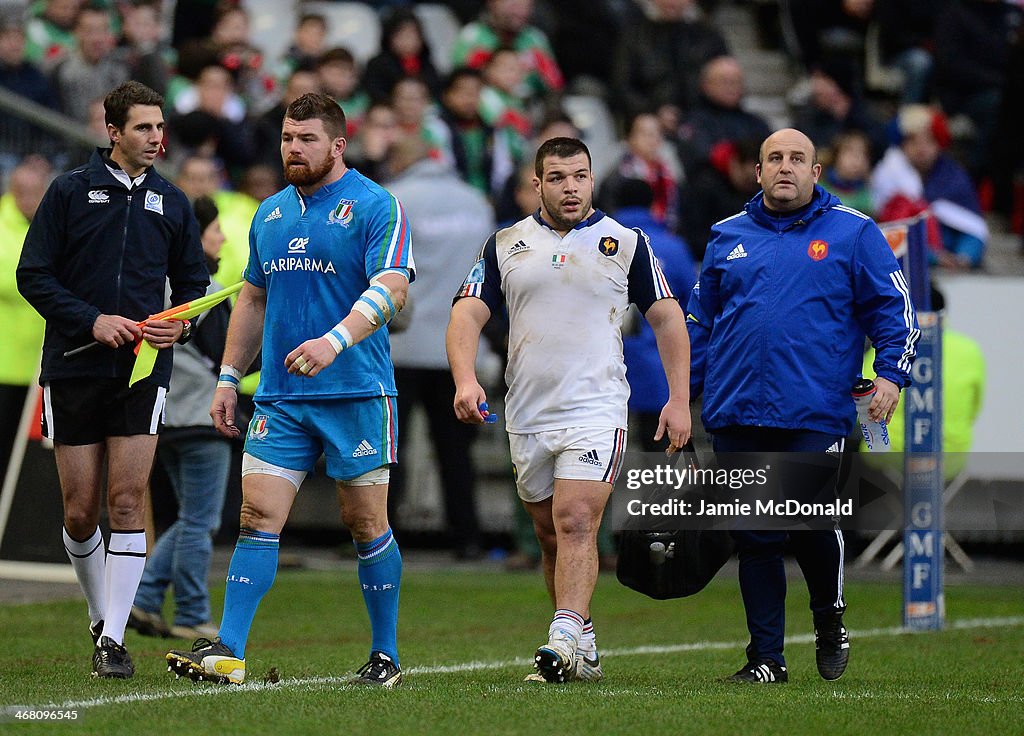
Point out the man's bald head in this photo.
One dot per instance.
(787, 170)
(29, 180)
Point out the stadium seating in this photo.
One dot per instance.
(356, 26)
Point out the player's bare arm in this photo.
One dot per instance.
(245, 336)
(313, 356)
(666, 319)
(469, 315)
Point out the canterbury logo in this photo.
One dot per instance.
(590, 458)
(737, 252)
(275, 215)
(98, 196)
(365, 449)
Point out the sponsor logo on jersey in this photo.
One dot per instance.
(275, 215)
(737, 252)
(558, 260)
(591, 458)
(98, 196)
(258, 430)
(817, 250)
(608, 246)
(298, 264)
(155, 202)
(298, 245)
(343, 213)
(365, 449)
(519, 247)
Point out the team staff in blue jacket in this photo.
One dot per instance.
(788, 289)
(105, 239)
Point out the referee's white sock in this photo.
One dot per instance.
(126, 559)
(88, 560)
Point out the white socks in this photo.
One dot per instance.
(89, 562)
(126, 559)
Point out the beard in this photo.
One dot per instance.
(561, 221)
(304, 175)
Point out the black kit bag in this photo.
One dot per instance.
(672, 564)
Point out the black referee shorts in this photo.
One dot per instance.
(85, 411)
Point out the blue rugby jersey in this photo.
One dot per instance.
(314, 256)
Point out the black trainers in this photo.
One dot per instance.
(110, 659)
(763, 671)
(380, 671)
(209, 660)
(831, 645)
(95, 630)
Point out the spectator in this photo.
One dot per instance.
(22, 77)
(507, 23)
(91, 68)
(916, 174)
(849, 169)
(230, 37)
(658, 59)
(450, 220)
(213, 127)
(267, 127)
(339, 78)
(906, 35)
(718, 114)
(197, 460)
(973, 40)
(259, 181)
(415, 115)
(50, 33)
(369, 150)
(404, 53)
(482, 156)
(22, 338)
(308, 45)
(648, 389)
(202, 176)
(148, 58)
(500, 103)
(717, 191)
(832, 109)
(830, 36)
(646, 159)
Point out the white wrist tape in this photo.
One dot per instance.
(229, 377)
(339, 337)
(376, 304)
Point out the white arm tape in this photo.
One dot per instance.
(376, 304)
(339, 337)
(229, 377)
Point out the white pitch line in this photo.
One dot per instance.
(443, 669)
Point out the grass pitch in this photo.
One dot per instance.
(467, 637)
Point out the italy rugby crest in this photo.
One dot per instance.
(343, 213)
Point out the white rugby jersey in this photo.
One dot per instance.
(566, 300)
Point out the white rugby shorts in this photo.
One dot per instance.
(577, 453)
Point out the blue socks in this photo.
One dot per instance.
(380, 575)
(252, 571)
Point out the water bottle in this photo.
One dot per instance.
(876, 434)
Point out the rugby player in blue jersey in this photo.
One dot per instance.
(330, 261)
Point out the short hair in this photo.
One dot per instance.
(317, 18)
(462, 72)
(120, 100)
(337, 55)
(559, 148)
(316, 106)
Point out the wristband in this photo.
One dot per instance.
(339, 337)
(229, 377)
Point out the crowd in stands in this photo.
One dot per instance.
(945, 139)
